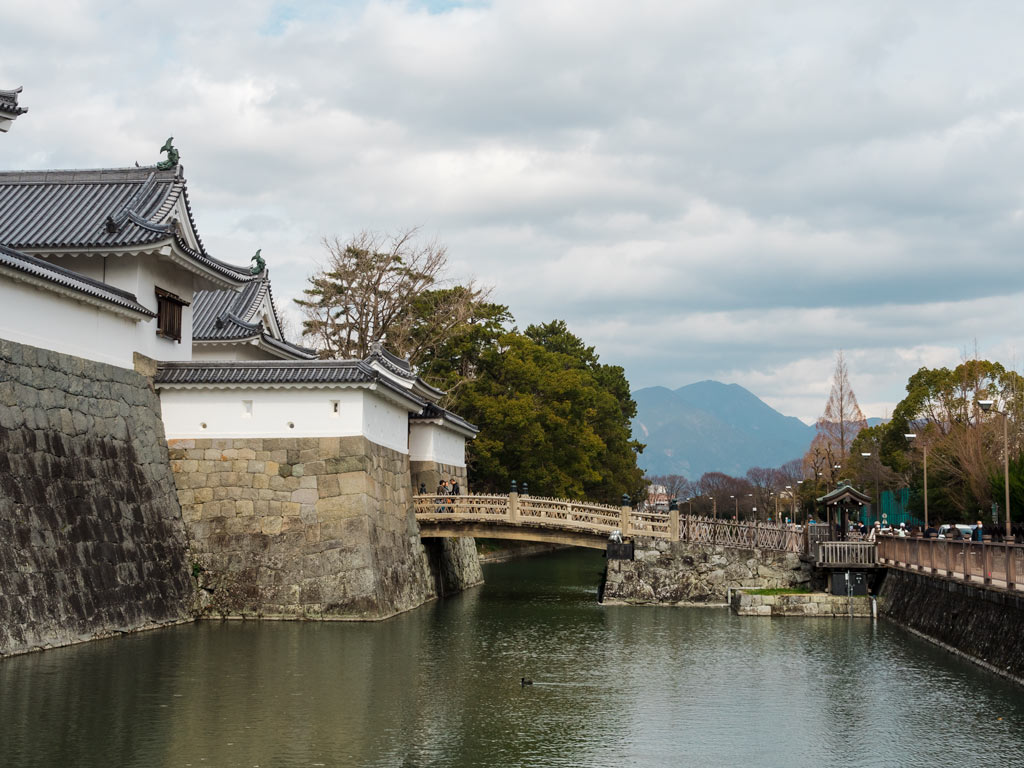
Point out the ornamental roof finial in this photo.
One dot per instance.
(172, 156)
(258, 263)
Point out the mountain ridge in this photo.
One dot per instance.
(710, 426)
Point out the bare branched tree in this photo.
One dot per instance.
(386, 288)
(843, 418)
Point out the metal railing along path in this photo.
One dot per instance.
(981, 562)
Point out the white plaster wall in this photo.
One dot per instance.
(45, 319)
(240, 351)
(385, 423)
(140, 275)
(432, 442)
(311, 411)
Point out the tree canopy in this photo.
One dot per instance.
(550, 413)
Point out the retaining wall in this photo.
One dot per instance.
(91, 537)
(318, 528)
(678, 572)
(984, 624)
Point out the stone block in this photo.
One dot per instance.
(305, 496)
(271, 524)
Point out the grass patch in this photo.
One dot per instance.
(779, 591)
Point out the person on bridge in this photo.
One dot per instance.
(442, 493)
(978, 533)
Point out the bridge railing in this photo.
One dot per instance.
(984, 562)
(847, 553)
(602, 519)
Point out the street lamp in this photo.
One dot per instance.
(714, 507)
(986, 406)
(878, 504)
(736, 508)
(912, 436)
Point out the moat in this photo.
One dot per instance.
(440, 686)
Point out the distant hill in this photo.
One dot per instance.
(714, 427)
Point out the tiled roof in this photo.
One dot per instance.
(267, 372)
(36, 267)
(403, 370)
(9, 103)
(106, 208)
(273, 372)
(434, 411)
(209, 307)
(228, 315)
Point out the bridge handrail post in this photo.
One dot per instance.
(624, 523)
(513, 507)
(673, 524)
(1011, 565)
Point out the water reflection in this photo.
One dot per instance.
(440, 686)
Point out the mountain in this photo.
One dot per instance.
(713, 427)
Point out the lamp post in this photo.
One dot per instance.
(736, 508)
(912, 436)
(878, 511)
(987, 405)
(714, 507)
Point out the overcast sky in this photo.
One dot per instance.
(707, 189)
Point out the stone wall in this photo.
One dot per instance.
(983, 624)
(319, 528)
(91, 538)
(678, 572)
(429, 474)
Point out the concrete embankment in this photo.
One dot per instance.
(91, 537)
(983, 624)
(678, 572)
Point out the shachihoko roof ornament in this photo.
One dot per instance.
(172, 156)
(258, 263)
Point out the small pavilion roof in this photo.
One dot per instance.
(845, 493)
(109, 208)
(230, 315)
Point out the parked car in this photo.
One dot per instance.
(965, 531)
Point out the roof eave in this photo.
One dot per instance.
(108, 305)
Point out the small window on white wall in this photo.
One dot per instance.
(247, 409)
(335, 407)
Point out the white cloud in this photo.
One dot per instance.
(701, 189)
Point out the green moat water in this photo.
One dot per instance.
(439, 686)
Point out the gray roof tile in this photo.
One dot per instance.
(112, 208)
(228, 315)
(266, 372)
(36, 267)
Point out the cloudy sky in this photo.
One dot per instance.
(702, 189)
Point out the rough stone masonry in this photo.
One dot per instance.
(319, 528)
(679, 572)
(91, 537)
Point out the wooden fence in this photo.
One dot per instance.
(972, 561)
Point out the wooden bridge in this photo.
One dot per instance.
(583, 524)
